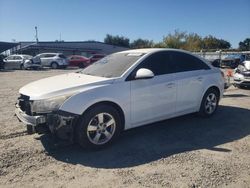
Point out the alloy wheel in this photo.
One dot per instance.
(101, 128)
(211, 103)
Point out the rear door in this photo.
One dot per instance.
(190, 75)
(18, 60)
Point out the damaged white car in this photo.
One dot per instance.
(121, 91)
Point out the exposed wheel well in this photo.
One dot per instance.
(116, 106)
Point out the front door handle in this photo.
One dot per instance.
(170, 85)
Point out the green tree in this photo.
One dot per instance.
(193, 42)
(176, 40)
(142, 43)
(245, 45)
(116, 40)
(210, 42)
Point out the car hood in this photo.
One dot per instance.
(62, 85)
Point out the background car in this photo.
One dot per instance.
(1, 62)
(242, 74)
(21, 61)
(54, 60)
(232, 61)
(78, 61)
(96, 57)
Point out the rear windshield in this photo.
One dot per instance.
(113, 65)
(62, 56)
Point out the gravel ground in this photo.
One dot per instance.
(182, 152)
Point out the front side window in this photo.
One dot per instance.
(10, 58)
(113, 65)
(159, 63)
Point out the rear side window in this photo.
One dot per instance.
(185, 62)
(17, 58)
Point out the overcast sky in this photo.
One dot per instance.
(149, 19)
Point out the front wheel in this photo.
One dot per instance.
(209, 103)
(98, 127)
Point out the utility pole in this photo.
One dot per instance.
(36, 34)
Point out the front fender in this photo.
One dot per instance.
(116, 93)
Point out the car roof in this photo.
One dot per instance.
(151, 50)
(49, 53)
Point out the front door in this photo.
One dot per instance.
(153, 99)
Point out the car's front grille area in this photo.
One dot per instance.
(24, 104)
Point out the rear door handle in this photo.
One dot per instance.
(200, 78)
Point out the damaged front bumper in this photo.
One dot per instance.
(60, 123)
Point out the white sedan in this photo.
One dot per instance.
(121, 91)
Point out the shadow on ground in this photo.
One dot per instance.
(160, 140)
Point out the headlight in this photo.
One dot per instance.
(48, 105)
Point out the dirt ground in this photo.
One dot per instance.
(183, 152)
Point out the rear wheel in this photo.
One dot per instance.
(22, 67)
(209, 103)
(54, 65)
(98, 127)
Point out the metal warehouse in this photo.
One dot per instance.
(86, 48)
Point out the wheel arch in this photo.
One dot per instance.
(215, 88)
(110, 103)
(205, 90)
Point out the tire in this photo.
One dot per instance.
(54, 65)
(98, 127)
(209, 103)
(81, 65)
(22, 67)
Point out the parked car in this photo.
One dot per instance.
(21, 61)
(122, 91)
(215, 62)
(232, 61)
(1, 62)
(242, 74)
(79, 61)
(96, 57)
(54, 60)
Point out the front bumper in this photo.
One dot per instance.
(29, 120)
(61, 123)
(242, 81)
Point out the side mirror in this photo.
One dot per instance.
(144, 74)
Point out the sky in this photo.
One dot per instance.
(81, 20)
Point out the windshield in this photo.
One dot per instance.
(113, 65)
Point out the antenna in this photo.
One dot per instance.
(36, 34)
